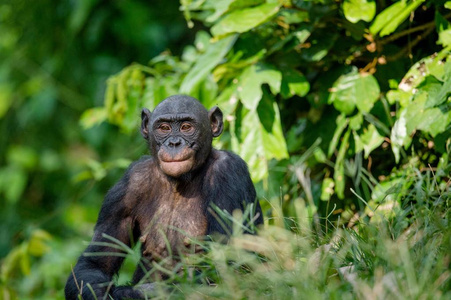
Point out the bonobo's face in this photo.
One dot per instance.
(180, 131)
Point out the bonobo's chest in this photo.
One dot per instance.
(168, 216)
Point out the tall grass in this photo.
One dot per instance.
(400, 253)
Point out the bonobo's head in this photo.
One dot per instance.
(180, 131)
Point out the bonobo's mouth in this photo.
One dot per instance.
(179, 157)
(176, 165)
(174, 160)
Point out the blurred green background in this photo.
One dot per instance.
(55, 57)
(333, 104)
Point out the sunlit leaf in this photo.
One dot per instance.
(390, 18)
(356, 10)
(245, 19)
(354, 90)
(251, 80)
(420, 117)
(219, 7)
(261, 138)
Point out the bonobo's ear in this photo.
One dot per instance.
(145, 118)
(215, 116)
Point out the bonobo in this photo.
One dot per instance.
(166, 199)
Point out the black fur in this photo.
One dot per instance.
(147, 200)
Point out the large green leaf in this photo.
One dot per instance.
(390, 18)
(354, 90)
(251, 80)
(356, 10)
(245, 19)
(420, 117)
(417, 116)
(205, 64)
(259, 137)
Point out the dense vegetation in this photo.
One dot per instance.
(341, 109)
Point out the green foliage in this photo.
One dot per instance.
(253, 67)
(342, 111)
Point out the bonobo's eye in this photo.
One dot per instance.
(164, 128)
(186, 128)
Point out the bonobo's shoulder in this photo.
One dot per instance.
(140, 172)
(228, 159)
(141, 165)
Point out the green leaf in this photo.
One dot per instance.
(219, 7)
(371, 139)
(443, 29)
(293, 83)
(271, 129)
(257, 137)
(399, 135)
(356, 10)
(420, 117)
(439, 97)
(354, 89)
(205, 64)
(243, 20)
(448, 4)
(327, 189)
(339, 171)
(251, 80)
(390, 18)
(356, 121)
(342, 122)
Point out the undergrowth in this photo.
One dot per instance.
(388, 254)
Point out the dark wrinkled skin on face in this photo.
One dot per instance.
(165, 200)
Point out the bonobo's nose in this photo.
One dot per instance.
(174, 142)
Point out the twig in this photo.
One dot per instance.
(409, 31)
(410, 45)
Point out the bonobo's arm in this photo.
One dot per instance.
(98, 269)
(231, 188)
